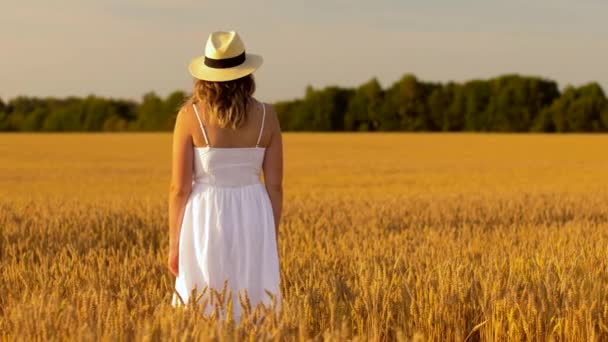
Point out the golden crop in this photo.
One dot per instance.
(437, 237)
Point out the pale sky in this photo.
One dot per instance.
(125, 48)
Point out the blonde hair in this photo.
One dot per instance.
(227, 101)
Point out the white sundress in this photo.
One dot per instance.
(228, 229)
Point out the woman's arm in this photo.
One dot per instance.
(181, 185)
(273, 168)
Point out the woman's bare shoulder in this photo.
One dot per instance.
(272, 121)
(185, 110)
(185, 117)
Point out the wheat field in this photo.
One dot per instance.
(438, 237)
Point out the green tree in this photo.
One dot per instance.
(543, 122)
(476, 98)
(17, 110)
(444, 114)
(586, 111)
(151, 115)
(517, 101)
(509, 103)
(291, 115)
(3, 116)
(326, 108)
(604, 118)
(579, 109)
(454, 116)
(363, 111)
(406, 105)
(33, 121)
(95, 111)
(66, 118)
(172, 104)
(115, 123)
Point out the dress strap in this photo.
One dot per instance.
(201, 124)
(261, 126)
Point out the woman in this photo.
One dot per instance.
(223, 220)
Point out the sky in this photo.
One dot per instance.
(126, 48)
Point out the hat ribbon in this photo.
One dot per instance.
(225, 62)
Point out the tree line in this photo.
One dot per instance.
(91, 113)
(509, 103)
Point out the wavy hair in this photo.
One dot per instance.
(227, 101)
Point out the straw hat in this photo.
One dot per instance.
(224, 59)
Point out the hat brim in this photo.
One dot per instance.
(199, 70)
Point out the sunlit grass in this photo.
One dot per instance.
(384, 236)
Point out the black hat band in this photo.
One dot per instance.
(225, 62)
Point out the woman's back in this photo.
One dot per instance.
(223, 219)
(228, 227)
(229, 166)
(254, 131)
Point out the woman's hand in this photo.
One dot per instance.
(173, 262)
